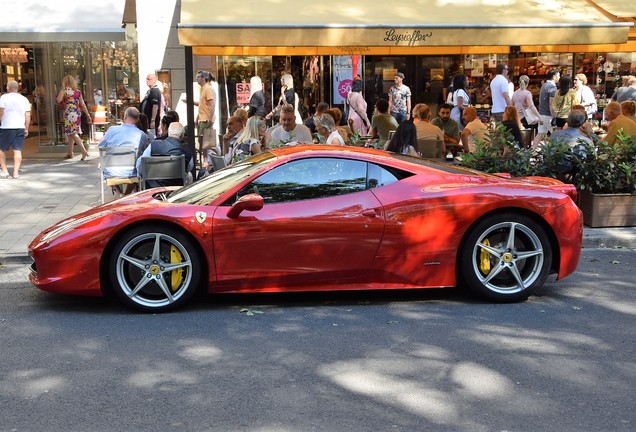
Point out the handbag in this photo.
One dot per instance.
(209, 139)
(530, 116)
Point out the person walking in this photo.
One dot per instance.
(460, 99)
(400, 99)
(257, 98)
(585, 95)
(74, 105)
(358, 119)
(563, 101)
(15, 116)
(522, 100)
(546, 99)
(500, 92)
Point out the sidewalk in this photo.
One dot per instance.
(51, 188)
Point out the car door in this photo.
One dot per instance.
(318, 222)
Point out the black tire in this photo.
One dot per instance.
(154, 269)
(505, 258)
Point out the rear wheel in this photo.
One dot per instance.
(505, 257)
(154, 269)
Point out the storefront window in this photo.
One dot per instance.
(605, 71)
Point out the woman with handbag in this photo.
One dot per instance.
(528, 113)
(460, 99)
(358, 120)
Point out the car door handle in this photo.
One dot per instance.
(370, 213)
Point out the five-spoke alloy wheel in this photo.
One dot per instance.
(154, 269)
(505, 257)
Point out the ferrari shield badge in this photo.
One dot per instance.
(200, 215)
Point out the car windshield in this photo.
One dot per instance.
(204, 191)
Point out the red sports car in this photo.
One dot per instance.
(317, 218)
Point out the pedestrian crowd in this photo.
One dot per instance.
(567, 109)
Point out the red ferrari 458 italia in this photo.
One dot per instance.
(312, 218)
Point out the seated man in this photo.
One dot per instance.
(448, 126)
(171, 146)
(618, 121)
(289, 132)
(126, 134)
(572, 134)
(310, 122)
(382, 123)
(234, 128)
(424, 128)
(473, 131)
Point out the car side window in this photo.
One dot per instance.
(382, 176)
(309, 178)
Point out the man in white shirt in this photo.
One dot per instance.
(289, 132)
(499, 91)
(473, 131)
(15, 115)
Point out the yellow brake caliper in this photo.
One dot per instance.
(176, 277)
(484, 258)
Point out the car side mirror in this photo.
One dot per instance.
(249, 202)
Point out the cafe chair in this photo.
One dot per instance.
(430, 148)
(170, 167)
(218, 162)
(117, 157)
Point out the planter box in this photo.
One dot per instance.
(608, 210)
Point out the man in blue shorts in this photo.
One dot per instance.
(15, 115)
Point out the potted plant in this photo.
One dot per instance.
(606, 178)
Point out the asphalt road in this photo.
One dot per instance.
(430, 360)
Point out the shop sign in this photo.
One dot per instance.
(388, 74)
(408, 38)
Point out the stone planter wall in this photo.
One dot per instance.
(608, 210)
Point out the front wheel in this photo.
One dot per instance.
(154, 269)
(505, 258)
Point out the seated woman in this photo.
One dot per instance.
(326, 128)
(512, 122)
(404, 140)
(344, 131)
(249, 141)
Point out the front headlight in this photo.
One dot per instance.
(70, 224)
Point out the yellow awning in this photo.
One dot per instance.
(386, 27)
(618, 8)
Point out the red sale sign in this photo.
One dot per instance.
(243, 93)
